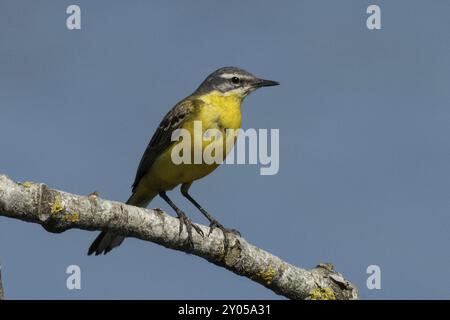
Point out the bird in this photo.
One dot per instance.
(216, 103)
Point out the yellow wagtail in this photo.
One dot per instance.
(217, 104)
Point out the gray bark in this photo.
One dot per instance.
(58, 211)
(1, 285)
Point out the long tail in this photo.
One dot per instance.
(106, 241)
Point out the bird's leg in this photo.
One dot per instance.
(184, 220)
(213, 223)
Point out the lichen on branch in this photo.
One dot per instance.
(58, 211)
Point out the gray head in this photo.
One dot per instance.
(232, 80)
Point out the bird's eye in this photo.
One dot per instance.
(235, 80)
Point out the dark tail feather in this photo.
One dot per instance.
(105, 242)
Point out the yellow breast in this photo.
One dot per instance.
(221, 111)
(217, 111)
(218, 114)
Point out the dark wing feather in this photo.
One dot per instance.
(161, 139)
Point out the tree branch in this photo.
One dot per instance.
(58, 211)
(1, 285)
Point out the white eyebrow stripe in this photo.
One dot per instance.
(231, 75)
(228, 75)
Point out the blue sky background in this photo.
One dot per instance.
(364, 138)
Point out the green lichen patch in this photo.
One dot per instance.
(57, 206)
(322, 294)
(266, 276)
(26, 184)
(71, 217)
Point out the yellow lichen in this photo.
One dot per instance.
(266, 275)
(27, 184)
(72, 217)
(322, 294)
(57, 206)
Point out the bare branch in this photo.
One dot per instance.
(1, 285)
(58, 211)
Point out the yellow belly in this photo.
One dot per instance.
(166, 175)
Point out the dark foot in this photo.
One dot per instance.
(215, 224)
(184, 220)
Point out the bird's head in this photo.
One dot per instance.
(233, 81)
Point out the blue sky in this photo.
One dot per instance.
(364, 138)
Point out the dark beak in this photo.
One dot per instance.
(265, 83)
